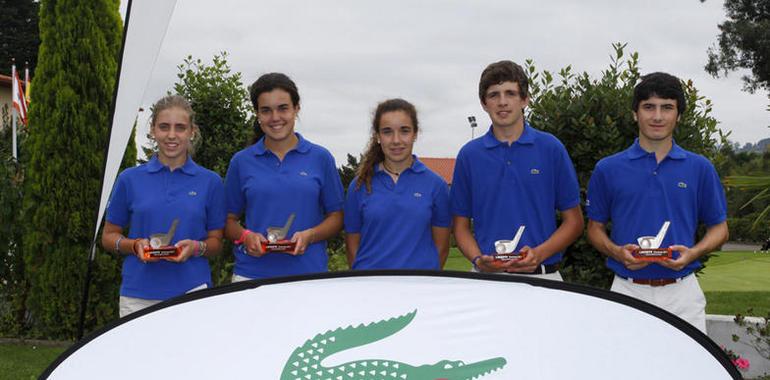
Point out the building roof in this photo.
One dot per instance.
(444, 167)
(5, 80)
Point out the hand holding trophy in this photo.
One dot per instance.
(276, 238)
(649, 246)
(160, 245)
(505, 250)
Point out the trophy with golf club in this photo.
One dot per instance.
(276, 238)
(160, 245)
(649, 246)
(505, 250)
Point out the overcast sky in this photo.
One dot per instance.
(347, 55)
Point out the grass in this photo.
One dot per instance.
(732, 281)
(456, 261)
(25, 361)
(736, 281)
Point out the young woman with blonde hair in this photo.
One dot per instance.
(150, 197)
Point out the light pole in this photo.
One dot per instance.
(472, 122)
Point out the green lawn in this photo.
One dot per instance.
(736, 281)
(456, 261)
(736, 271)
(732, 281)
(25, 361)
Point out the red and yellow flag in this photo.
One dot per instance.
(17, 95)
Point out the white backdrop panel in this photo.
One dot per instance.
(541, 333)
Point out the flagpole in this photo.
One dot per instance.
(26, 88)
(14, 114)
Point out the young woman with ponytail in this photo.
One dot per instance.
(397, 210)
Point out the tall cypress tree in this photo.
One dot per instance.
(68, 132)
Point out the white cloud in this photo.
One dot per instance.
(347, 55)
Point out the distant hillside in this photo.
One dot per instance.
(759, 147)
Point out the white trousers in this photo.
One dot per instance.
(555, 276)
(238, 278)
(128, 305)
(684, 298)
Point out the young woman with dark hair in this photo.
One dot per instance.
(397, 210)
(282, 174)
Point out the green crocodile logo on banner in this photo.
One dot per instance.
(305, 362)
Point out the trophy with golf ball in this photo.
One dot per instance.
(505, 250)
(649, 246)
(160, 245)
(276, 238)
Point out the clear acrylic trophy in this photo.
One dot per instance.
(160, 245)
(505, 250)
(649, 246)
(276, 238)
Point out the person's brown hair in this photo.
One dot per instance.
(503, 71)
(374, 154)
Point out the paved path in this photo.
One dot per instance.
(735, 246)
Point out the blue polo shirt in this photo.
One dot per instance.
(148, 198)
(638, 194)
(395, 219)
(501, 187)
(267, 191)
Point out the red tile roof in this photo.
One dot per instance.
(5, 80)
(444, 167)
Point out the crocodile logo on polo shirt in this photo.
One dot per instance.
(682, 185)
(417, 195)
(534, 171)
(303, 173)
(192, 193)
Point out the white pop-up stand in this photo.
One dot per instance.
(398, 325)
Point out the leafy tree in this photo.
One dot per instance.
(348, 171)
(69, 114)
(19, 37)
(221, 106)
(743, 43)
(593, 118)
(336, 245)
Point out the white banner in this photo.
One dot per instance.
(146, 25)
(401, 325)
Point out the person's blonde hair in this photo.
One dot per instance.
(176, 101)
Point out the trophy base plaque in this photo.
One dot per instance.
(281, 246)
(162, 252)
(652, 254)
(501, 258)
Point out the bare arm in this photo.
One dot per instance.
(597, 236)
(251, 241)
(210, 246)
(352, 242)
(441, 240)
(568, 231)
(330, 226)
(111, 233)
(461, 226)
(715, 236)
